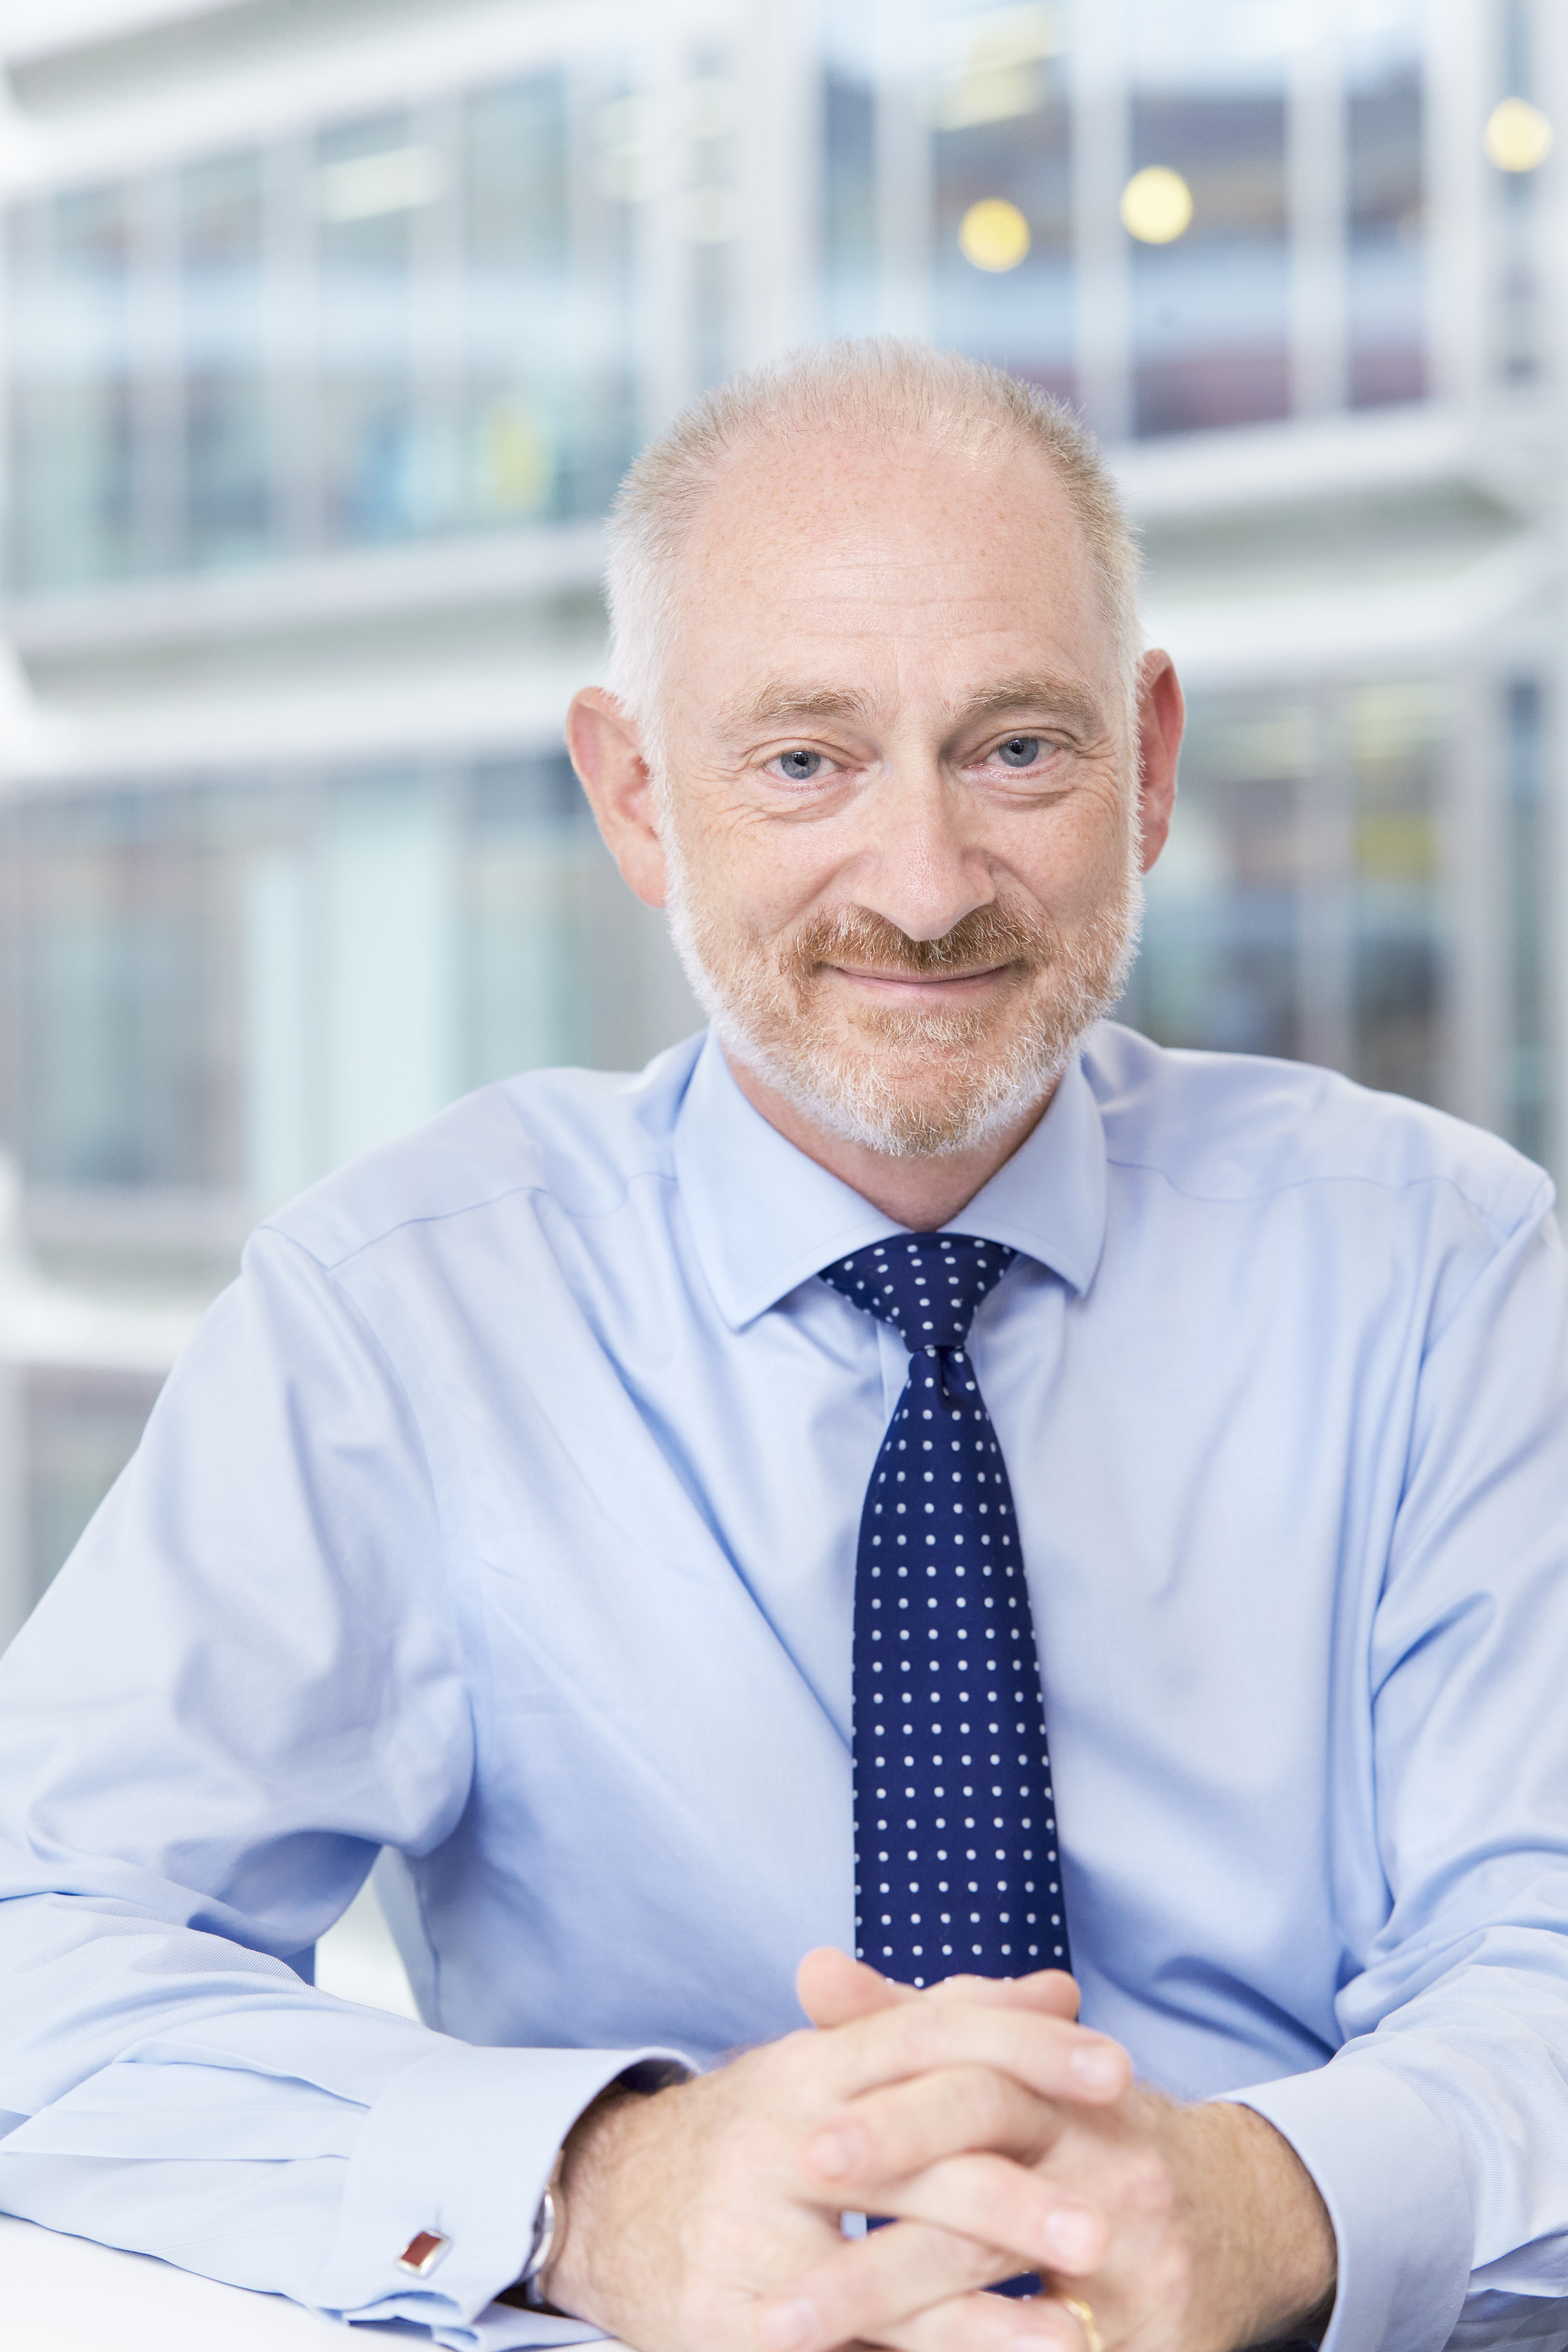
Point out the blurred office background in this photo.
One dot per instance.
(328, 328)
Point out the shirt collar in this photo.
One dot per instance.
(764, 1218)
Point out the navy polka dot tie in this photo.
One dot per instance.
(955, 1832)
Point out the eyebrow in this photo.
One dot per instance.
(1059, 695)
(779, 702)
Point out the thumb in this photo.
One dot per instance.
(1051, 1992)
(833, 1989)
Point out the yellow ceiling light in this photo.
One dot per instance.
(1517, 136)
(994, 234)
(1156, 205)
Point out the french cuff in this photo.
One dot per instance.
(446, 2177)
(1387, 2170)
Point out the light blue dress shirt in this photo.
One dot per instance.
(503, 1515)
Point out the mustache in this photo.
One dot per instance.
(855, 937)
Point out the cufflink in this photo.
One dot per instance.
(423, 2252)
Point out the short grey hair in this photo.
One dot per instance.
(878, 386)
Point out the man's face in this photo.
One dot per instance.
(899, 804)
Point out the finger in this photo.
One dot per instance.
(868, 2285)
(988, 2323)
(833, 1988)
(1046, 2054)
(1007, 2207)
(1050, 1990)
(891, 2132)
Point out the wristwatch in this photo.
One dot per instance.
(539, 2252)
(524, 2293)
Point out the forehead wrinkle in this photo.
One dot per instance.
(922, 584)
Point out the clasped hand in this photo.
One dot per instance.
(997, 2134)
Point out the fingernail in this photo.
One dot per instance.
(833, 2154)
(788, 2325)
(1096, 2067)
(1072, 2234)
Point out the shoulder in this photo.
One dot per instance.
(578, 1137)
(1237, 1127)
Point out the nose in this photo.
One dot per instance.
(918, 867)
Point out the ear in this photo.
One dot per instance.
(1162, 715)
(606, 752)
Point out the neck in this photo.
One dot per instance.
(921, 1193)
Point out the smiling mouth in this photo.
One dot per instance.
(904, 979)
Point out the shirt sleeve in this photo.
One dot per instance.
(1437, 2134)
(244, 1682)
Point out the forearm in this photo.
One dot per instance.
(1435, 2144)
(593, 2153)
(186, 2097)
(1265, 2259)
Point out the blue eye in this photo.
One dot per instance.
(1020, 751)
(799, 767)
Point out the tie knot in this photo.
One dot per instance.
(927, 1286)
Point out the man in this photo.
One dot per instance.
(561, 1495)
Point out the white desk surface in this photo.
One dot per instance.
(64, 2295)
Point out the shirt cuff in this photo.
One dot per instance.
(1388, 2171)
(461, 2145)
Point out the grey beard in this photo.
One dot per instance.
(851, 1098)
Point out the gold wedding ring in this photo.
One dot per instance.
(1086, 2320)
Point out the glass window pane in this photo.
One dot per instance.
(531, 854)
(1211, 304)
(515, 168)
(1221, 959)
(75, 425)
(1211, 308)
(710, 212)
(1001, 166)
(1383, 141)
(1529, 1089)
(34, 359)
(517, 301)
(121, 1052)
(227, 488)
(850, 295)
(1399, 975)
(551, 171)
(386, 957)
(612, 143)
(80, 1428)
(1302, 905)
(370, 178)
